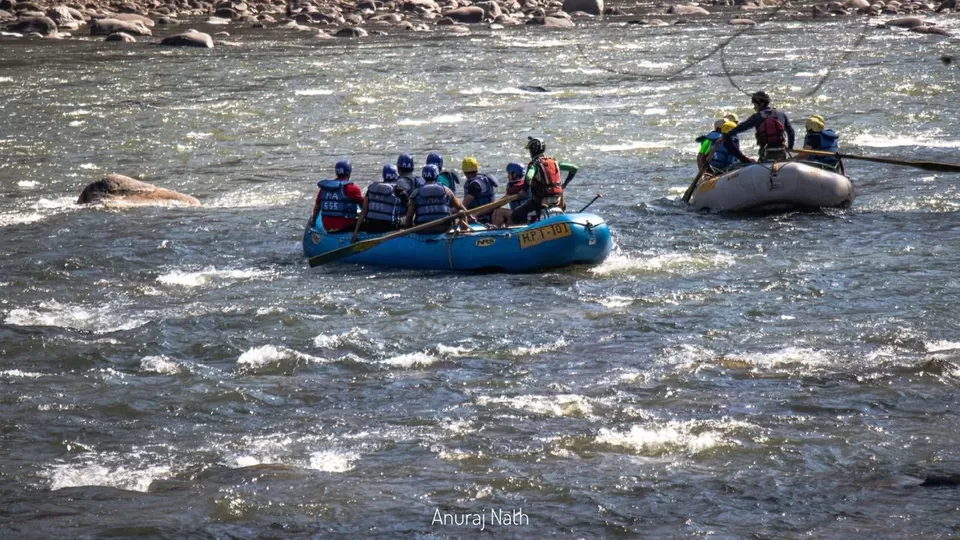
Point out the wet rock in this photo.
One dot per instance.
(105, 27)
(120, 36)
(120, 188)
(931, 30)
(134, 17)
(551, 22)
(686, 9)
(742, 22)
(905, 22)
(468, 14)
(593, 7)
(351, 32)
(26, 25)
(190, 38)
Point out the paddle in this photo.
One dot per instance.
(364, 245)
(935, 166)
(703, 168)
(591, 202)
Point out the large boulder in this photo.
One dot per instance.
(123, 189)
(190, 38)
(551, 22)
(467, 14)
(686, 9)
(41, 25)
(593, 7)
(105, 27)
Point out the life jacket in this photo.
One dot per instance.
(771, 131)
(828, 141)
(487, 185)
(712, 136)
(432, 202)
(722, 157)
(449, 179)
(546, 179)
(409, 184)
(334, 202)
(383, 203)
(514, 187)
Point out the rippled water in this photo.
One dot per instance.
(182, 372)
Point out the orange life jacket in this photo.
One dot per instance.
(546, 181)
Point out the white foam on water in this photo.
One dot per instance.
(314, 92)
(447, 119)
(892, 140)
(410, 360)
(197, 135)
(6, 79)
(539, 349)
(78, 112)
(411, 122)
(261, 450)
(634, 145)
(76, 123)
(28, 184)
(96, 319)
(329, 341)
(565, 405)
(615, 301)
(159, 364)
(658, 438)
(454, 351)
(18, 374)
(942, 345)
(107, 470)
(787, 356)
(89, 166)
(266, 355)
(210, 275)
(620, 263)
(333, 461)
(17, 218)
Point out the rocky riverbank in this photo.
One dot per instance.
(161, 21)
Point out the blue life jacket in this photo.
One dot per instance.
(449, 179)
(722, 157)
(334, 202)
(524, 195)
(383, 204)
(488, 186)
(409, 184)
(713, 136)
(432, 202)
(825, 141)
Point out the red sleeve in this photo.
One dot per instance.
(513, 189)
(352, 191)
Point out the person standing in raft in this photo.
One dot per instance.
(338, 200)
(431, 202)
(823, 139)
(384, 206)
(775, 135)
(446, 178)
(516, 184)
(480, 187)
(543, 179)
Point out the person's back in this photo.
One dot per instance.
(338, 200)
(431, 202)
(727, 151)
(546, 186)
(775, 135)
(822, 139)
(480, 188)
(407, 180)
(448, 179)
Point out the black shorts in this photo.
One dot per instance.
(377, 226)
(520, 213)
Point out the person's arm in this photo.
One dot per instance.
(459, 208)
(411, 210)
(316, 211)
(791, 135)
(732, 148)
(571, 170)
(352, 191)
(363, 216)
(749, 123)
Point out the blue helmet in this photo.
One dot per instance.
(343, 168)
(390, 173)
(430, 172)
(434, 158)
(515, 168)
(405, 161)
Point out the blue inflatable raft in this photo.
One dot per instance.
(553, 242)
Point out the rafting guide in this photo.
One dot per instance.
(492, 516)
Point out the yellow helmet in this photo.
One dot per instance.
(820, 118)
(718, 123)
(727, 126)
(732, 117)
(470, 164)
(814, 124)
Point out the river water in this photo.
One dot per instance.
(181, 372)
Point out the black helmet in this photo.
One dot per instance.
(760, 98)
(535, 146)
